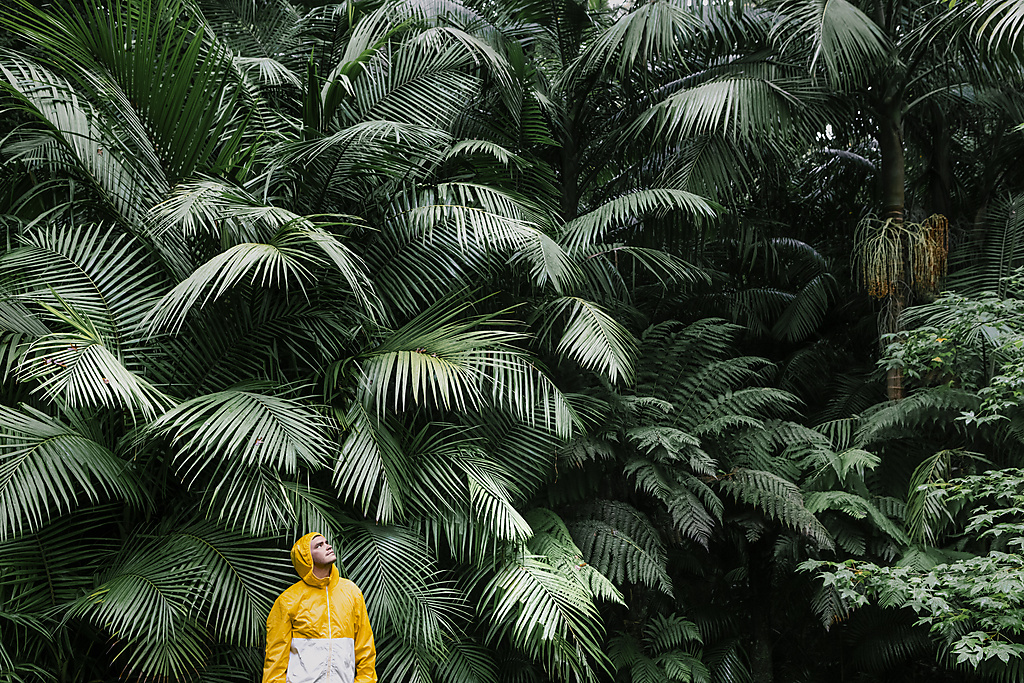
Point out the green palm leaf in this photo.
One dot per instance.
(406, 598)
(466, 661)
(655, 31)
(292, 258)
(806, 311)
(79, 369)
(241, 578)
(553, 540)
(120, 162)
(857, 507)
(843, 38)
(347, 166)
(594, 225)
(246, 425)
(147, 603)
(232, 448)
(313, 508)
(170, 61)
(372, 471)
(438, 360)
(47, 468)
(739, 106)
(1001, 20)
(398, 84)
(591, 336)
(490, 502)
(104, 274)
(546, 615)
(982, 268)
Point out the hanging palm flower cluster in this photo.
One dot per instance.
(930, 252)
(892, 252)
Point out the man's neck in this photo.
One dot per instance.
(321, 571)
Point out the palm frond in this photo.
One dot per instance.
(807, 310)
(846, 41)
(857, 507)
(48, 467)
(491, 504)
(1002, 21)
(546, 615)
(291, 258)
(983, 266)
(120, 161)
(313, 508)
(467, 661)
(926, 512)
(79, 368)
(405, 595)
(553, 540)
(344, 167)
(738, 106)
(482, 218)
(171, 60)
(438, 360)
(625, 210)
(651, 32)
(372, 470)
(102, 272)
(591, 336)
(422, 82)
(37, 583)
(147, 602)
(241, 578)
(246, 426)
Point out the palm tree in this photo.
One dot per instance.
(255, 293)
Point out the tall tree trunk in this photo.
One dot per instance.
(941, 176)
(892, 176)
(570, 165)
(762, 663)
(570, 179)
(892, 170)
(759, 577)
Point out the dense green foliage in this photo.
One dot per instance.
(548, 315)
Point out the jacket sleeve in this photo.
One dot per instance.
(366, 653)
(279, 642)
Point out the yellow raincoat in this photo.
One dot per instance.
(318, 631)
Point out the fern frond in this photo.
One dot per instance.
(936, 407)
(623, 545)
(778, 499)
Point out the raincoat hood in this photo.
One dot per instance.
(302, 560)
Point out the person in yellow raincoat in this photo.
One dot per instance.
(318, 631)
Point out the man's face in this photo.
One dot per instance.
(321, 551)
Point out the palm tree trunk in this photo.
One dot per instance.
(941, 164)
(893, 165)
(892, 177)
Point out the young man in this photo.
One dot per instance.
(318, 629)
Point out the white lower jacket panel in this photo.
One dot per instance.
(322, 660)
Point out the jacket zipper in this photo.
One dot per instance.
(330, 634)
